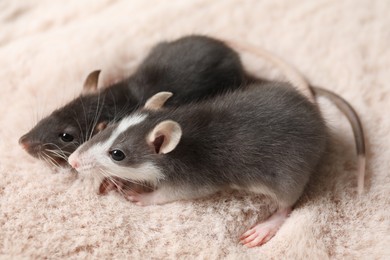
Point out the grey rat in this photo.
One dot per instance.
(192, 67)
(266, 140)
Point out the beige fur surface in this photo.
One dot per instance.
(48, 47)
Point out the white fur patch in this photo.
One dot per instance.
(97, 160)
(122, 126)
(99, 150)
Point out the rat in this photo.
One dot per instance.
(267, 140)
(193, 68)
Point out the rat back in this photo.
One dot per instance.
(192, 68)
(268, 139)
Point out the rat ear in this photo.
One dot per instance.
(157, 101)
(91, 82)
(100, 127)
(165, 136)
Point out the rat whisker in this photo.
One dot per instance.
(99, 110)
(51, 160)
(113, 181)
(59, 154)
(140, 183)
(94, 120)
(105, 174)
(61, 150)
(46, 158)
(80, 128)
(124, 111)
(85, 117)
(115, 106)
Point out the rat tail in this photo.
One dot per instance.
(357, 129)
(298, 81)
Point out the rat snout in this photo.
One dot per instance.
(73, 161)
(24, 142)
(75, 164)
(29, 145)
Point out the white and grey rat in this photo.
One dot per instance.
(192, 67)
(266, 140)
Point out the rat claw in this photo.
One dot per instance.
(248, 238)
(137, 199)
(131, 198)
(247, 234)
(258, 241)
(260, 234)
(266, 239)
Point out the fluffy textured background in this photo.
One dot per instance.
(48, 47)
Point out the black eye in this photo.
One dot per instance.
(117, 155)
(66, 137)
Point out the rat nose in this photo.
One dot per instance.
(24, 142)
(73, 162)
(75, 165)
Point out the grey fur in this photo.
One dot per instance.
(267, 139)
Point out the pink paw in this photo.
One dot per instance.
(140, 199)
(106, 186)
(263, 232)
(258, 235)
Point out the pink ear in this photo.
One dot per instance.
(100, 127)
(165, 136)
(91, 83)
(157, 101)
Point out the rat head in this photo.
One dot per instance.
(55, 137)
(129, 149)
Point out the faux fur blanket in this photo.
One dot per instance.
(48, 47)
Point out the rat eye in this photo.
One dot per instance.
(65, 137)
(117, 155)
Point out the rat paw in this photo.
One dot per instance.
(258, 235)
(106, 186)
(140, 199)
(263, 232)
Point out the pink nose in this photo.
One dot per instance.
(24, 142)
(74, 163)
